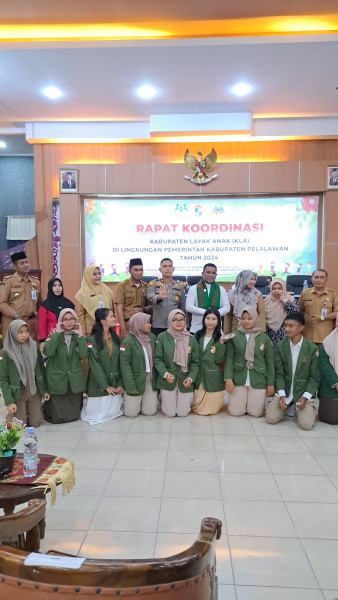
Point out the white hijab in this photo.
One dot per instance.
(331, 347)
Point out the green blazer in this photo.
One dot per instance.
(104, 370)
(10, 379)
(63, 366)
(329, 376)
(164, 354)
(133, 365)
(307, 374)
(210, 372)
(263, 371)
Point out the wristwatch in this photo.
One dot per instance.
(322, 317)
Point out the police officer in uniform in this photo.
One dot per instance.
(20, 296)
(165, 295)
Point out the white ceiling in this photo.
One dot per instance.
(288, 79)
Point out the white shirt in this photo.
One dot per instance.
(206, 341)
(146, 359)
(295, 350)
(247, 382)
(197, 312)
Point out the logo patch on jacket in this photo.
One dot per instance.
(213, 349)
(122, 348)
(90, 345)
(261, 346)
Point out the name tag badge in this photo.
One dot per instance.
(101, 304)
(324, 312)
(34, 296)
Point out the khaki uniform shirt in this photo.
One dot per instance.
(21, 296)
(162, 308)
(312, 303)
(131, 296)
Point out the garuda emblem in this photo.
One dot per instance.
(200, 167)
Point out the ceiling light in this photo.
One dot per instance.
(242, 89)
(52, 92)
(2, 145)
(146, 91)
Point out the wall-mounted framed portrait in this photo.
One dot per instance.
(332, 177)
(69, 181)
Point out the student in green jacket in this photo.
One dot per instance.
(209, 385)
(138, 373)
(297, 376)
(64, 350)
(176, 362)
(249, 369)
(21, 375)
(328, 389)
(104, 383)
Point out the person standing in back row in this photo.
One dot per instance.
(20, 296)
(204, 295)
(131, 296)
(164, 294)
(319, 306)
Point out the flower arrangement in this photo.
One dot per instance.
(10, 434)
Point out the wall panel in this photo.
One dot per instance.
(270, 178)
(126, 179)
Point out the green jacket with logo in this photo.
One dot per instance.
(164, 355)
(104, 370)
(210, 372)
(63, 366)
(133, 365)
(307, 374)
(10, 379)
(263, 371)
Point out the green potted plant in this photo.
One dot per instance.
(10, 434)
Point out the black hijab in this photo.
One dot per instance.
(55, 303)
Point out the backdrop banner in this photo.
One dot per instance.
(271, 236)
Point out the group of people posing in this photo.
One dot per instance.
(267, 354)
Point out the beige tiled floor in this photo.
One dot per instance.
(143, 485)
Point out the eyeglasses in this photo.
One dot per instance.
(178, 320)
(71, 320)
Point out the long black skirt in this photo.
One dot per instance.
(63, 409)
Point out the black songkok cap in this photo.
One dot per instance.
(18, 256)
(135, 261)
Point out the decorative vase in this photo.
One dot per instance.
(7, 464)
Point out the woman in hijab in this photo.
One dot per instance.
(177, 363)
(278, 304)
(243, 295)
(328, 389)
(104, 384)
(249, 370)
(136, 362)
(92, 294)
(50, 309)
(21, 375)
(65, 349)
